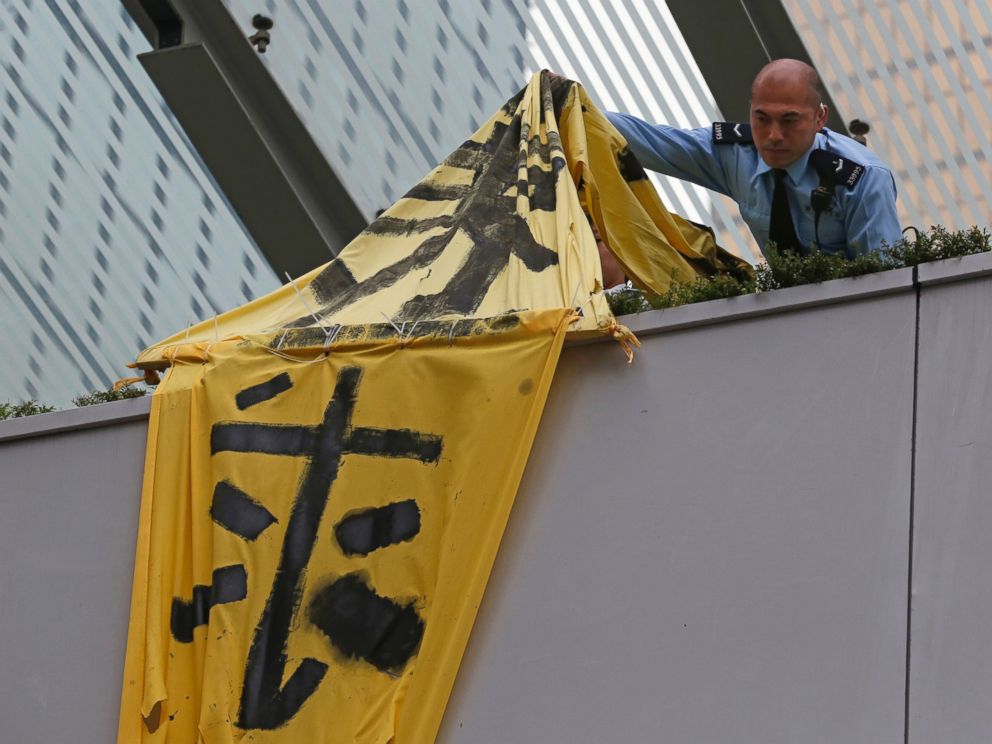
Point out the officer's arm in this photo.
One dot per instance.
(683, 153)
(873, 220)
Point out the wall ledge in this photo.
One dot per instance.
(75, 419)
(768, 303)
(955, 269)
(643, 324)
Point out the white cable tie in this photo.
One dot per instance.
(451, 333)
(410, 334)
(395, 327)
(282, 338)
(189, 324)
(303, 302)
(575, 294)
(330, 336)
(283, 355)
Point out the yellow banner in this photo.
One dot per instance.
(331, 466)
(317, 530)
(500, 225)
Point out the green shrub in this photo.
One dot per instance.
(791, 270)
(10, 410)
(106, 396)
(701, 290)
(939, 243)
(627, 302)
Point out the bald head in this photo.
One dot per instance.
(786, 111)
(791, 74)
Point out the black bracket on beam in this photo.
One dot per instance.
(166, 22)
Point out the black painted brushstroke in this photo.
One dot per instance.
(542, 185)
(630, 166)
(363, 625)
(470, 156)
(335, 280)
(444, 329)
(266, 703)
(252, 396)
(394, 443)
(557, 88)
(504, 323)
(431, 191)
(263, 439)
(229, 584)
(398, 227)
(365, 531)
(485, 213)
(486, 260)
(534, 255)
(237, 512)
(513, 102)
(423, 255)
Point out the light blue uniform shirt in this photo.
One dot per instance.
(860, 219)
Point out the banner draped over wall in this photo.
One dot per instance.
(330, 467)
(500, 226)
(315, 538)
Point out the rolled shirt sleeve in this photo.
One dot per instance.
(687, 154)
(864, 218)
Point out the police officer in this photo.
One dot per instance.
(797, 183)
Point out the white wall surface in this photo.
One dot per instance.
(693, 559)
(951, 680)
(68, 526)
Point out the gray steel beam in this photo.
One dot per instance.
(732, 39)
(245, 129)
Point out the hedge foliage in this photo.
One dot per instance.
(31, 407)
(789, 269)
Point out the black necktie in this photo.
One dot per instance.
(781, 231)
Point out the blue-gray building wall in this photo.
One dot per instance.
(112, 233)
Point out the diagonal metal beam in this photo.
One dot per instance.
(259, 151)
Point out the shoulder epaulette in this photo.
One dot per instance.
(842, 171)
(731, 133)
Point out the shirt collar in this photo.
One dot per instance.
(795, 170)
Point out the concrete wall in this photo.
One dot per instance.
(951, 668)
(69, 492)
(713, 544)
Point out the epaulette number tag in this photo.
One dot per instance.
(731, 133)
(844, 172)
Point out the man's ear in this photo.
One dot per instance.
(821, 116)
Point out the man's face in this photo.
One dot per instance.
(785, 118)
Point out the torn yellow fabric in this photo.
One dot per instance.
(330, 467)
(316, 535)
(499, 226)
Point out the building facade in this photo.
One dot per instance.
(390, 88)
(920, 72)
(112, 233)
